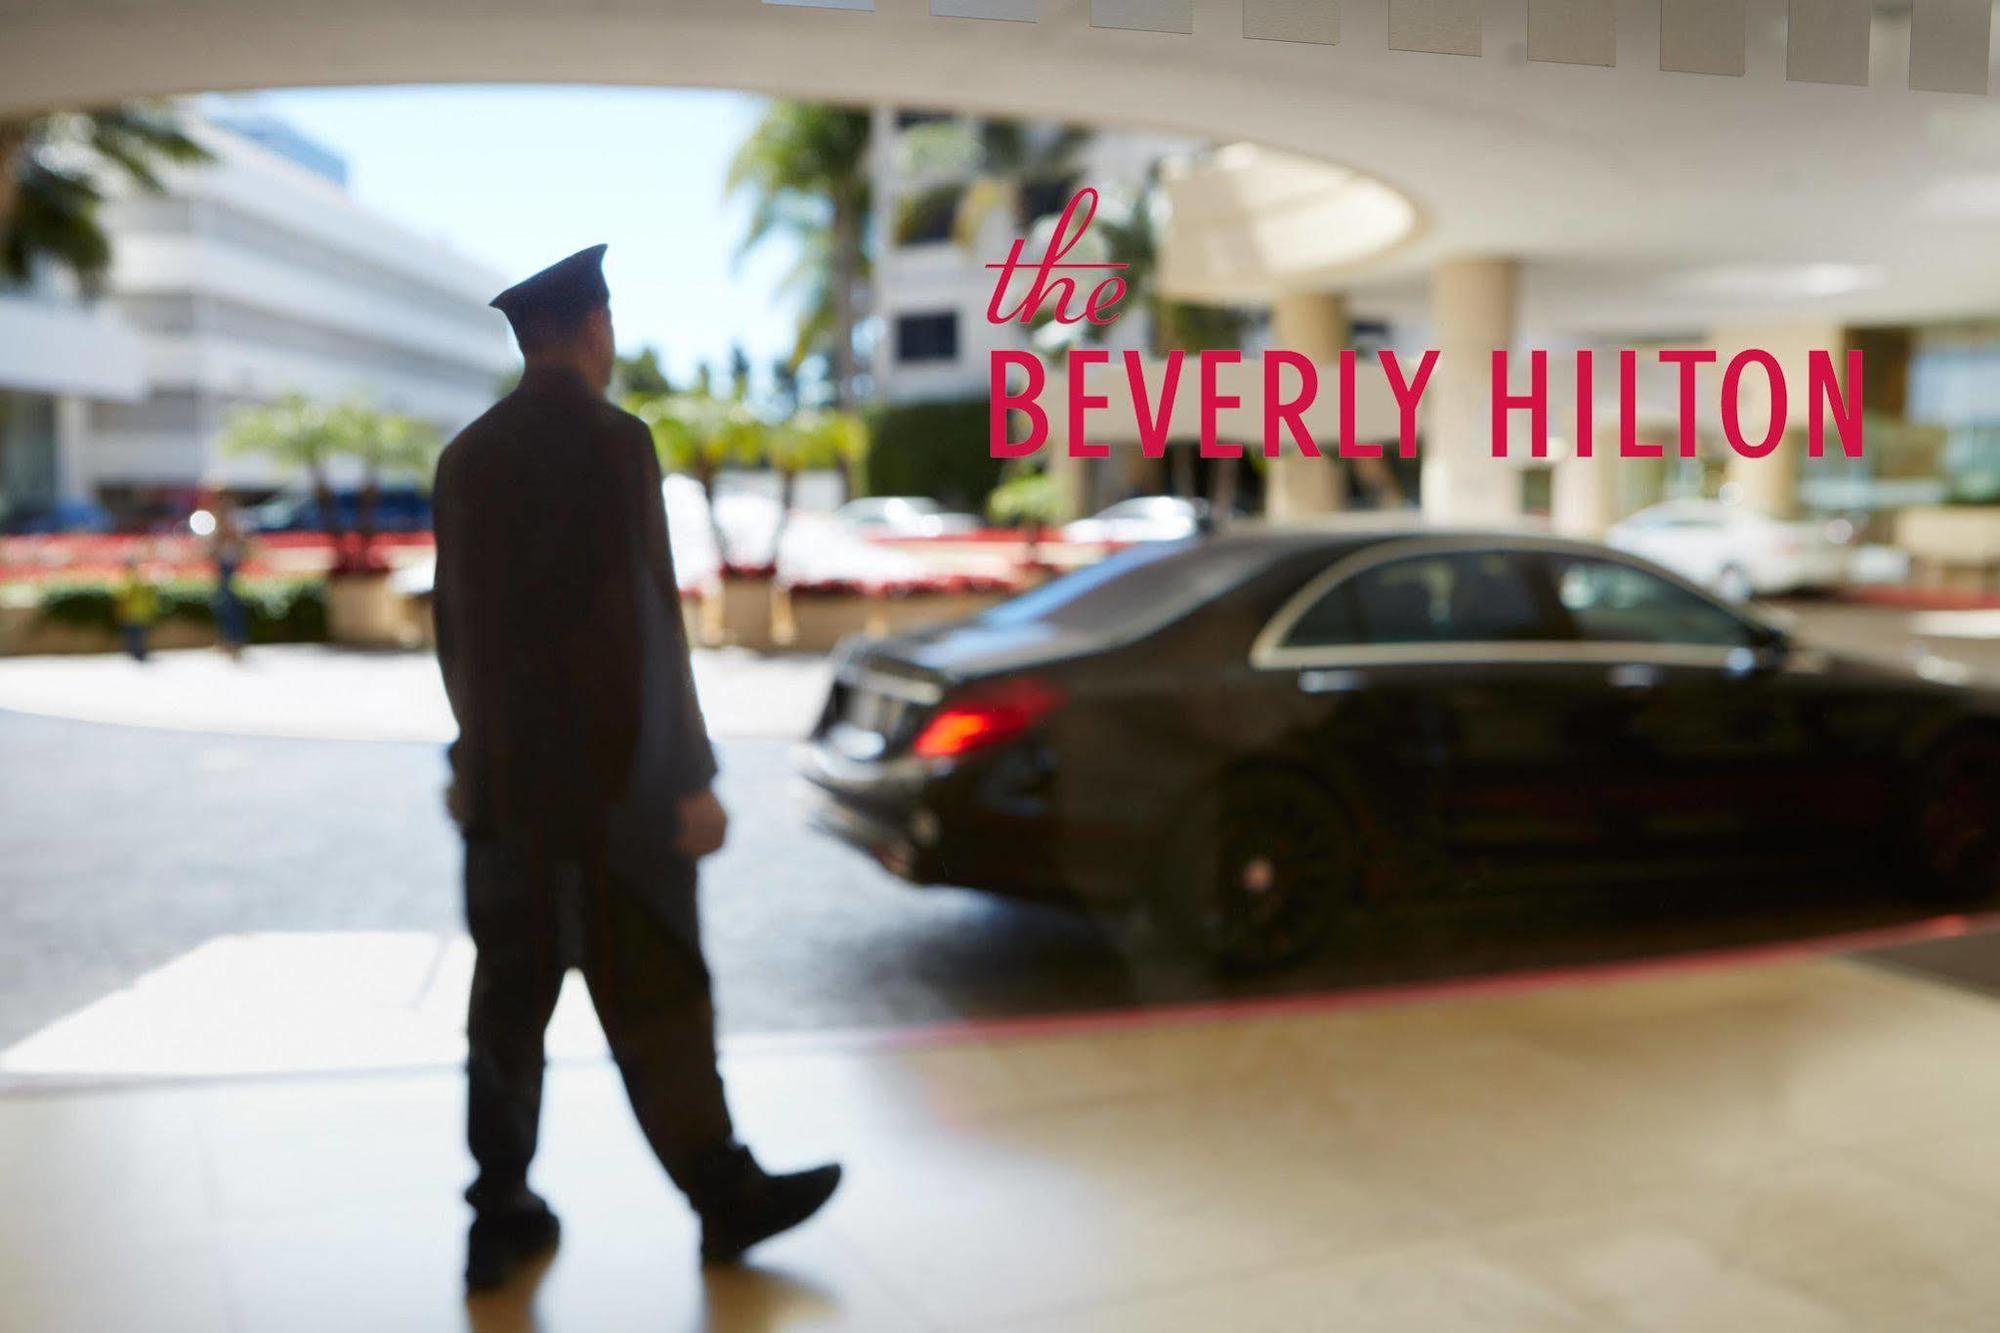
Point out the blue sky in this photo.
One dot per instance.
(520, 177)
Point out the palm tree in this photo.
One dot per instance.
(640, 375)
(700, 435)
(1017, 171)
(297, 434)
(805, 170)
(1027, 500)
(813, 438)
(53, 173)
(384, 443)
(1130, 235)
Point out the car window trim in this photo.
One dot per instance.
(1268, 650)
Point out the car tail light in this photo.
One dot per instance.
(986, 715)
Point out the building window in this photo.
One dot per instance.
(928, 216)
(911, 119)
(927, 337)
(1043, 198)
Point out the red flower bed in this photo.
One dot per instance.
(39, 559)
(976, 535)
(940, 584)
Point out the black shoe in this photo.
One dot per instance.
(742, 1205)
(502, 1243)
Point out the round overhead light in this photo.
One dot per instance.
(1245, 221)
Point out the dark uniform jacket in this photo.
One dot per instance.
(559, 631)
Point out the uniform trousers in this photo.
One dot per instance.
(533, 916)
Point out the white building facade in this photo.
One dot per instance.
(931, 287)
(253, 276)
(57, 357)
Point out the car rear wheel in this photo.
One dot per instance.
(1955, 828)
(1254, 872)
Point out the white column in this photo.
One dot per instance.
(1472, 314)
(1584, 500)
(1313, 324)
(73, 479)
(1770, 485)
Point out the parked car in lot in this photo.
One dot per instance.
(904, 516)
(398, 508)
(60, 517)
(1737, 552)
(1257, 734)
(1143, 518)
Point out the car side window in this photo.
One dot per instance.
(1612, 602)
(1450, 597)
(1327, 622)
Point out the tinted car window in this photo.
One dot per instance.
(1328, 621)
(1451, 597)
(1144, 586)
(1612, 602)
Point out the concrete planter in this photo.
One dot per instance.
(746, 612)
(366, 611)
(764, 616)
(820, 620)
(24, 632)
(1952, 544)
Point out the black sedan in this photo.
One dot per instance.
(1253, 733)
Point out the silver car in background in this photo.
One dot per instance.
(904, 516)
(1736, 552)
(1143, 518)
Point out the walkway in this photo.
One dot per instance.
(1797, 1147)
(319, 693)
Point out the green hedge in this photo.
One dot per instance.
(281, 610)
(937, 449)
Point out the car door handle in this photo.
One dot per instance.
(1634, 676)
(1335, 681)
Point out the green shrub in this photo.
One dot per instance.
(937, 449)
(1026, 500)
(281, 610)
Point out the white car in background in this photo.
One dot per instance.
(904, 516)
(1737, 552)
(1144, 518)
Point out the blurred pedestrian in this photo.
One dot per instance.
(135, 606)
(581, 782)
(228, 550)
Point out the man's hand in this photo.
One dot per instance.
(703, 825)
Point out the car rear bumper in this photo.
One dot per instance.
(934, 822)
(875, 807)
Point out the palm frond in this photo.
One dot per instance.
(986, 197)
(55, 219)
(58, 161)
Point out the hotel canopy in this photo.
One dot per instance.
(1526, 171)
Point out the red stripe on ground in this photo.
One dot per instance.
(1526, 980)
(1920, 598)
